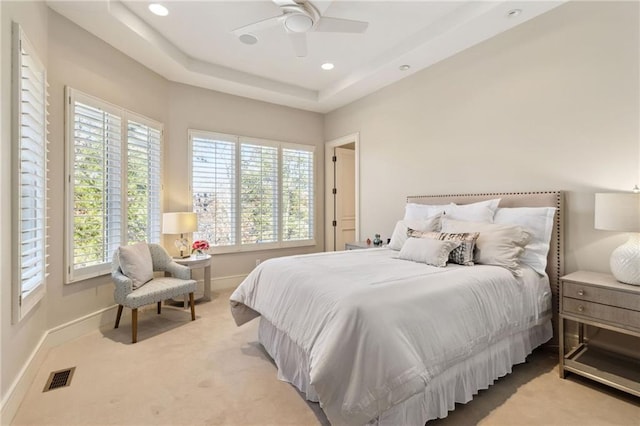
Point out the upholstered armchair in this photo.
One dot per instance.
(132, 273)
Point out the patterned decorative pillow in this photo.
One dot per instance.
(463, 254)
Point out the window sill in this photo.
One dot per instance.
(261, 247)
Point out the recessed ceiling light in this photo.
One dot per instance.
(158, 9)
(404, 67)
(513, 13)
(248, 38)
(327, 66)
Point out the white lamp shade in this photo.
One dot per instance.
(179, 223)
(617, 212)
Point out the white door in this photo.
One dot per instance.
(345, 197)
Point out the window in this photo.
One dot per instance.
(30, 175)
(297, 194)
(114, 183)
(258, 193)
(143, 182)
(251, 193)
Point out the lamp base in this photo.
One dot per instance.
(625, 261)
(182, 244)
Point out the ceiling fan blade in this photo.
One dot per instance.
(338, 25)
(257, 26)
(299, 43)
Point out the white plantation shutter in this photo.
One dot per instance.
(143, 181)
(114, 183)
(297, 194)
(97, 181)
(213, 185)
(251, 194)
(30, 159)
(258, 193)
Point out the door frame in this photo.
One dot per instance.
(328, 185)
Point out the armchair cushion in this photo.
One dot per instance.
(136, 263)
(160, 288)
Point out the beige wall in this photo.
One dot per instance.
(195, 108)
(552, 104)
(81, 61)
(18, 341)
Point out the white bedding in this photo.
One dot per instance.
(376, 330)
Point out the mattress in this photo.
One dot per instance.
(371, 331)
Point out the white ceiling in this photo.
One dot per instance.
(194, 43)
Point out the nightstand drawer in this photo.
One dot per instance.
(601, 295)
(602, 312)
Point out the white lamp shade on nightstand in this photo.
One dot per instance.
(621, 212)
(180, 223)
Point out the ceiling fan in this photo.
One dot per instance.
(298, 18)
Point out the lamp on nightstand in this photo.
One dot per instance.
(180, 223)
(620, 211)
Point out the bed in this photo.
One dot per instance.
(379, 340)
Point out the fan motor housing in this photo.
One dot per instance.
(298, 22)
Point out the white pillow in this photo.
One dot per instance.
(399, 235)
(414, 211)
(427, 250)
(538, 221)
(482, 211)
(135, 262)
(500, 245)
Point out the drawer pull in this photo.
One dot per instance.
(580, 308)
(580, 292)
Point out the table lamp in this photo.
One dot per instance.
(180, 223)
(620, 211)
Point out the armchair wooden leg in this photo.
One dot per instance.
(134, 325)
(159, 307)
(193, 307)
(118, 316)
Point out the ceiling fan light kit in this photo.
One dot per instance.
(298, 19)
(298, 23)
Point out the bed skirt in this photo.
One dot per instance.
(457, 384)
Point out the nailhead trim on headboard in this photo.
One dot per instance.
(557, 270)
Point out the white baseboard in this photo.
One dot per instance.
(64, 333)
(51, 338)
(20, 385)
(224, 283)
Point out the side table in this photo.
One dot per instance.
(197, 263)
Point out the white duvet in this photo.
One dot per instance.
(377, 329)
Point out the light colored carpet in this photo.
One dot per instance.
(209, 372)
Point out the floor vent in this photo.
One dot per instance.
(59, 379)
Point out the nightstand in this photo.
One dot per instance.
(594, 299)
(357, 245)
(194, 262)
